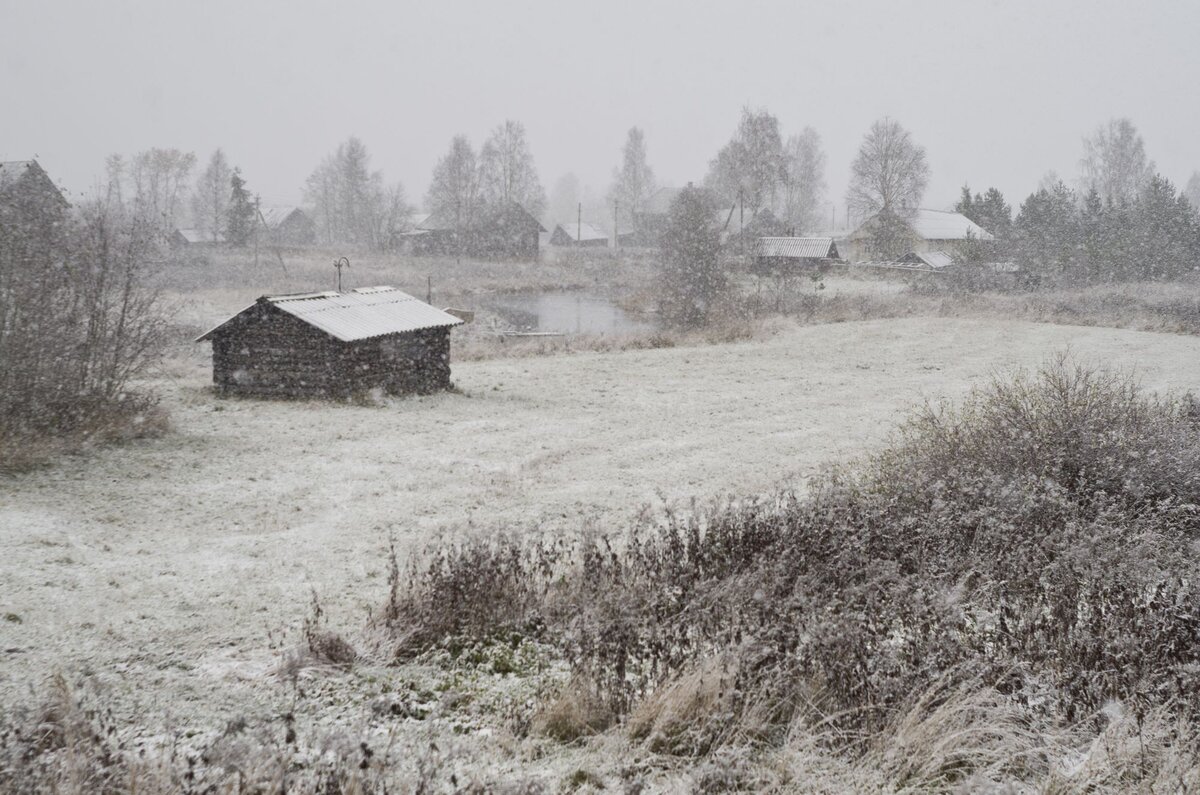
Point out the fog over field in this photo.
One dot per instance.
(660, 397)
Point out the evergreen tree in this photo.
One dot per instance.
(242, 213)
(690, 278)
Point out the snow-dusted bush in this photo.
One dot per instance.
(1038, 542)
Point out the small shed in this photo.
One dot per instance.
(333, 345)
(782, 255)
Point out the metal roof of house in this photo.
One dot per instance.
(200, 236)
(939, 225)
(934, 259)
(274, 216)
(796, 247)
(357, 315)
(585, 231)
(935, 225)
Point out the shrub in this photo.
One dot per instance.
(1038, 542)
(76, 327)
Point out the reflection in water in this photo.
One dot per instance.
(567, 312)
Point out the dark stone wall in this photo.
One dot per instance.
(266, 352)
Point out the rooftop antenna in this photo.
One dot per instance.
(339, 263)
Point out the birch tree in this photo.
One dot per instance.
(210, 202)
(889, 174)
(803, 180)
(507, 171)
(1114, 163)
(633, 181)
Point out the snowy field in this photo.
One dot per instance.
(175, 569)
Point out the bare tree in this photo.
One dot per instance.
(634, 181)
(803, 180)
(1114, 163)
(507, 172)
(350, 202)
(751, 165)
(889, 174)
(454, 189)
(160, 178)
(210, 201)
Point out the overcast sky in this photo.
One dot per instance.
(997, 92)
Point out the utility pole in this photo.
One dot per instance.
(616, 225)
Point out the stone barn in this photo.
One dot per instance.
(333, 345)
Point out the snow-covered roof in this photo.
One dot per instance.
(13, 170)
(934, 259)
(357, 315)
(942, 225)
(200, 236)
(585, 231)
(796, 247)
(274, 216)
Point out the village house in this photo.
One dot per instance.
(925, 231)
(784, 256)
(506, 231)
(333, 344)
(287, 226)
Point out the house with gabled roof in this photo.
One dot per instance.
(333, 344)
(924, 231)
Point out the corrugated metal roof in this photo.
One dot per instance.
(359, 314)
(796, 247)
(937, 259)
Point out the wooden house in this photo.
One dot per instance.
(925, 231)
(287, 226)
(503, 231)
(333, 345)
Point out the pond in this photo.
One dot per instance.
(565, 312)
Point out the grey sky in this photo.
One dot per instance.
(997, 92)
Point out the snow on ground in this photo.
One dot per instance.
(172, 567)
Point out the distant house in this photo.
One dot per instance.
(287, 226)
(504, 231)
(780, 256)
(651, 219)
(333, 345)
(742, 224)
(927, 230)
(580, 235)
(187, 238)
(26, 187)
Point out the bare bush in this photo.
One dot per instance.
(1028, 554)
(76, 327)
